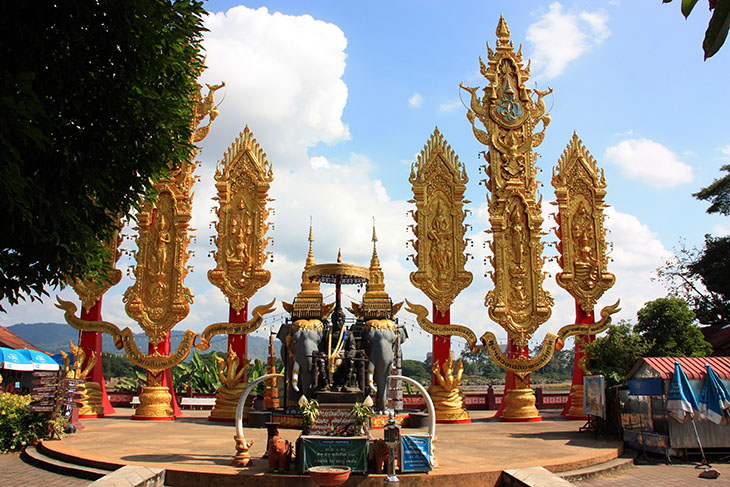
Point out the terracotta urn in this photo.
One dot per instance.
(330, 475)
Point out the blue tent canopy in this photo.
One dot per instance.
(40, 360)
(14, 360)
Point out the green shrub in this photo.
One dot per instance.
(19, 427)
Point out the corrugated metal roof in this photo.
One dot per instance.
(694, 367)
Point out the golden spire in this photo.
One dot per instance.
(309, 288)
(376, 284)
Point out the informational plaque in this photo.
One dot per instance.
(415, 453)
(594, 395)
(334, 421)
(328, 450)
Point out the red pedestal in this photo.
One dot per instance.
(441, 343)
(91, 342)
(583, 318)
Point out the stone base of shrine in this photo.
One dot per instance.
(196, 452)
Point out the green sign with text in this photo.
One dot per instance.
(329, 450)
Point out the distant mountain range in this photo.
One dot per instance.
(53, 337)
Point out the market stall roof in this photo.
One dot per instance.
(14, 360)
(694, 367)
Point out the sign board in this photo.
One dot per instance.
(328, 450)
(414, 453)
(44, 381)
(645, 387)
(42, 409)
(594, 395)
(333, 421)
(45, 373)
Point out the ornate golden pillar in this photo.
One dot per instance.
(510, 113)
(243, 179)
(438, 181)
(580, 190)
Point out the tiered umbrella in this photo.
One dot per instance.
(715, 399)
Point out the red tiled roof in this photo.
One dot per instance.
(8, 339)
(694, 367)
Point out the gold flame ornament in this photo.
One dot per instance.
(580, 190)
(243, 179)
(438, 181)
(510, 113)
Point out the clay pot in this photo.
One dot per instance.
(330, 475)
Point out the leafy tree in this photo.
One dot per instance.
(717, 29)
(481, 364)
(718, 193)
(667, 327)
(614, 354)
(201, 373)
(560, 367)
(416, 370)
(96, 98)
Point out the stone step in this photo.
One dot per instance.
(34, 456)
(624, 462)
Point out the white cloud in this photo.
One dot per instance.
(650, 162)
(725, 150)
(415, 101)
(319, 162)
(720, 230)
(559, 38)
(283, 77)
(450, 106)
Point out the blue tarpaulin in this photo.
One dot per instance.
(681, 401)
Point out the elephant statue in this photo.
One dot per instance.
(280, 454)
(301, 339)
(379, 338)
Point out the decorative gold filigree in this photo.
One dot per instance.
(438, 181)
(236, 328)
(91, 290)
(580, 189)
(243, 179)
(510, 115)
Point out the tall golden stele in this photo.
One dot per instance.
(439, 180)
(243, 179)
(580, 190)
(510, 115)
(159, 299)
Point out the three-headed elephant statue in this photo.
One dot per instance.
(379, 339)
(301, 339)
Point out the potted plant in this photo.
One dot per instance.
(361, 413)
(309, 409)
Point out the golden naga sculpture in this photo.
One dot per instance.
(243, 179)
(90, 391)
(438, 181)
(580, 189)
(510, 114)
(447, 397)
(232, 373)
(91, 290)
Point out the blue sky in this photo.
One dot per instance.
(343, 96)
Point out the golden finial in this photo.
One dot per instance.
(502, 29)
(309, 288)
(310, 255)
(339, 256)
